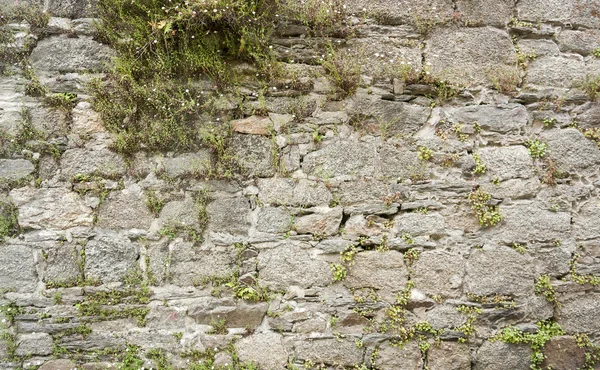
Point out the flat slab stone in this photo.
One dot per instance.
(109, 257)
(507, 162)
(568, 12)
(67, 54)
(15, 169)
(17, 268)
(439, 273)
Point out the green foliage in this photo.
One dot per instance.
(10, 311)
(545, 288)
(537, 149)
(154, 203)
(593, 134)
(130, 360)
(218, 327)
(486, 214)
(425, 153)
(411, 255)
(546, 331)
(468, 328)
(64, 102)
(9, 220)
(519, 248)
(480, 167)
(580, 279)
(591, 85)
(596, 52)
(343, 69)
(193, 232)
(339, 271)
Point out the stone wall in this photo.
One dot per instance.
(386, 230)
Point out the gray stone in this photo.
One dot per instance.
(539, 48)
(264, 349)
(17, 268)
(98, 161)
(73, 8)
(254, 125)
(384, 271)
(341, 158)
(362, 191)
(324, 222)
(519, 219)
(62, 364)
(50, 208)
(568, 12)
(439, 273)
(502, 356)
(398, 12)
(570, 150)
(499, 270)
(393, 358)
(15, 169)
(109, 257)
(449, 356)
(329, 351)
(61, 263)
(188, 264)
(237, 314)
(445, 317)
(401, 163)
(513, 188)
(187, 164)
(585, 222)
(254, 153)
(125, 209)
(563, 353)
(287, 192)
(579, 41)
(416, 224)
(289, 264)
(556, 71)
(65, 54)
(184, 211)
(230, 215)
(274, 220)
(507, 162)
(468, 55)
(578, 314)
(34, 344)
(493, 13)
(504, 119)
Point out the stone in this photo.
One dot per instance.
(445, 317)
(468, 55)
(288, 264)
(237, 314)
(362, 191)
(254, 125)
(578, 41)
(254, 153)
(73, 8)
(384, 271)
(570, 150)
(50, 208)
(125, 209)
(501, 356)
(563, 353)
(342, 158)
(187, 164)
(556, 71)
(585, 225)
(230, 215)
(449, 356)
(62, 364)
(329, 351)
(264, 349)
(188, 264)
(499, 270)
(393, 358)
(485, 12)
(539, 48)
(519, 219)
(64, 55)
(400, 163)
(109, 257)
(180, 211)
(15, 169)
(17, 268)
(507, 162)
(34, 344)
(578, 314)
(61, 263)
(287, 192)
(439, 273)
(397, 12)
(85, 121)
(324, 222)
(97, 161)
(567, 12)
(416, 224)
(274, 220)
(503, 119)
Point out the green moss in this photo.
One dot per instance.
(9, 220)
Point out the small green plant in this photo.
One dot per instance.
(593, 134)
(218, 327)
(545, 288)
(486, 214)
(408, 238)
(64, 102)
(480, 167)
(537, 149)
(343, 70)
(596, 52)
(468, 328)
(549, 122)
(495, 181)
(591, 85)
(9, 220)
(519, 248)
(425, 153)
(339, 271)
(411, 255)
(154, 203)
(506, 80)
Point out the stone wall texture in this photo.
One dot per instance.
(351, 242)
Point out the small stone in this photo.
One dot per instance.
(254, 125)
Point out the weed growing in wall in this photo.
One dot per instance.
(486, 214)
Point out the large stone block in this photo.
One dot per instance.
(568, 12)
(93, 161)
(578, 314)
(469, 55)
(416, 224)
(531, 222)
(563, 353)
(17, 268)
(34, 344)
(503, 119)
(507, 162)
(66, 54)
(502, 356)
(578, 41)
(254, 153)
(493, 13)
(230, 215)
(499, 270)
(324, 222)
(50, 208)
(556, 71)
(329, 351)
(189, 264)
(289, 264)
(384, 271)
(403, 11)
(264, 349)
(125, 209)
(287, 192)
(439, 273)
(109, 257)
(237, 314)
(342, 158)
(449, 356)
(15, 169)
(585, 222)
(570, 150)
(394, 358)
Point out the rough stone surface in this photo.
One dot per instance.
(499, 355)
(34, 344)
(264, 349)
(562, 353)
(229, 215)
(341, 158)
(254, 154)
(406, 358)
(507, 162)
(439, 273)
(17, 268)
(570, 150)
(329, 351)
(16, 169)
(371, 271)
(449, 356)
(108, 257)
(287, 192)
(577, 314)
(124, 209)
(63, 55)
(97, 161)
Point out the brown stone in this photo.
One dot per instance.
(563, 353)
(254, 125)
(58, 365)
